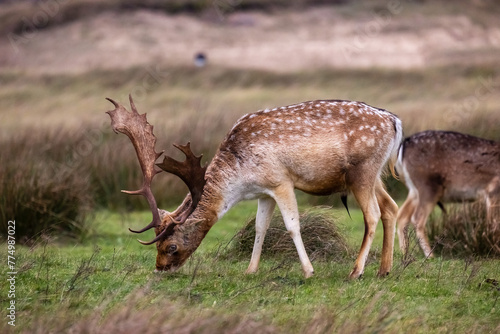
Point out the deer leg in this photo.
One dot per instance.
(264, 214)
(367, 201)
(287, 203)
(404, 217)
(388, 210)
(492, 200)
(419, 219)
(488, 209)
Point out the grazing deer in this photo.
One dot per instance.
(319, 147)
(439, 167)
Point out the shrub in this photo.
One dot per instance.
(464, 230)
(320, 234)
(38, 189)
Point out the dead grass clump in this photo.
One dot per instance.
(320, 233)
(464, 230)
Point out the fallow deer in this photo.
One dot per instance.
(319, 147)
(444, 167)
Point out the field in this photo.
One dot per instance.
(106, 283)
(79, 270)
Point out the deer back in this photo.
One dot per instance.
(454, 165)
(321, 146)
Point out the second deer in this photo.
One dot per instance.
(319, 147)
(442, 167)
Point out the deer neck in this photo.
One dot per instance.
(218, 197)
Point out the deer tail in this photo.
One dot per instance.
(396, 149)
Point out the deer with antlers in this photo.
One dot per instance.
(319, 147)
(443, 167)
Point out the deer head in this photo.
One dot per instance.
(140, 133)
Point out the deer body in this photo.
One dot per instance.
(319, 147)
(444, 167)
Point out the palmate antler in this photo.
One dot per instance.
(140, 132)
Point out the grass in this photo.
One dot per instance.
(109, 276)
(465, 229)
(441, 97)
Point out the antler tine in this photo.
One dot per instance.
(191, 172)
(167, 231)
(140, 133)
(132, 104)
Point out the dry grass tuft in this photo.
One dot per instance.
(320, 233)
(464, 230)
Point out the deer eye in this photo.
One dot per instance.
(172, 249)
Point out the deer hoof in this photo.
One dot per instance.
(355, 273)
(383, 274)
(308, 274)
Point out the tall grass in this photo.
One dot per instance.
(50, 181)
(39, 189)
(465, 230)
(139, 316)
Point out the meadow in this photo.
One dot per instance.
(105, 284)
(79, 269)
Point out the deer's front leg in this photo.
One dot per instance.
(404, 217)
(264, 214)
(287, 203)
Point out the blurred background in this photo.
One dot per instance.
(196, 66)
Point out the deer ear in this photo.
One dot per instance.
(191, 225)
(163, 214)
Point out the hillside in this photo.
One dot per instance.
(86, 35)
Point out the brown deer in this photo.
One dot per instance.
(444, 167)
(319, 147)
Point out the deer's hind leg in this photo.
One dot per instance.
(367, 200)
(492, 200)
(419, 219)
(388, 210)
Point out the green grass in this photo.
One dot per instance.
(110, 272)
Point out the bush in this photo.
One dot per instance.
(38, 190)
(320, 234)
(464, 230)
